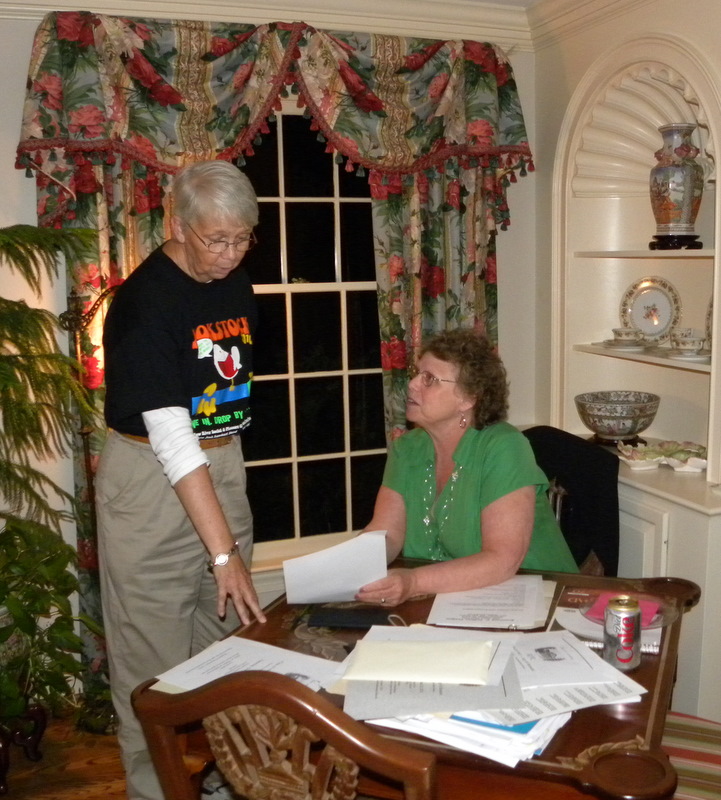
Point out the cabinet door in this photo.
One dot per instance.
(644, 529)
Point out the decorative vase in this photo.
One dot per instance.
(676, 186)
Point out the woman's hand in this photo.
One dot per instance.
(397, 587)
(196, 493)
(234, 583)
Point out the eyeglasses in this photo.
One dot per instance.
(217, 247)
(428, 378)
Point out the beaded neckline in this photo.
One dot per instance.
(437, 510)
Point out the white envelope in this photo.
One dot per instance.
(456, 662)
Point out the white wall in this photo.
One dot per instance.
(17, 196)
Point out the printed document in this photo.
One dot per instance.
(514, 604)
(235, 654)
(337, 573)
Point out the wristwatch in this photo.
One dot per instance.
(223, 558)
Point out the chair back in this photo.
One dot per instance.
(273, 737)
(584, 481)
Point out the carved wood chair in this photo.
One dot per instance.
(271, 736)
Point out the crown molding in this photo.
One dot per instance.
(552, 20)
(454, 19)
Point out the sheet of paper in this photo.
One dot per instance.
(512, 605)
(424, 662)
(335, 574)
(372, 699)
(558, 658)
(236, 654)
(548, 701)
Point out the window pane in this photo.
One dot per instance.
(319, 415)
(316, 332)
(352, 185)
(366, 476)
(270, 493)
(270, 347)
(356, 242)
(263, 261)
(311, 249)
(366, 412)
(262, 167)
(322, 497)
(268, 435)
(308, 168)
(363, 330)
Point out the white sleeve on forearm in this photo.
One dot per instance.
(173, 441)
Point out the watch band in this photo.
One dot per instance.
(222, 558)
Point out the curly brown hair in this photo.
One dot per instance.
(481, 373)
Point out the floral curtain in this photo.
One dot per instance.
(115, 106)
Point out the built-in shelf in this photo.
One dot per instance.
(654, 254)
(646, 357)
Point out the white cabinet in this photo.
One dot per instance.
(644, 531)
(667, 531)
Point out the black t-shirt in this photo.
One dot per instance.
(172, 341)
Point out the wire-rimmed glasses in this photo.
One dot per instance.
(220, 246)
(429, 379)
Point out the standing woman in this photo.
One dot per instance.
(462, 488)
(175, 527)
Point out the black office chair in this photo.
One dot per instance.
(584, 494)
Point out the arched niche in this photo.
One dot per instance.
(605, 151)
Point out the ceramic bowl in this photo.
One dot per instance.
(617, 415)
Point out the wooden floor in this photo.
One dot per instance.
(75, 766)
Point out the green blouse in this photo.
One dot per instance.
(490, 463)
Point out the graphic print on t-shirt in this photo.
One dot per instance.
(223, 343)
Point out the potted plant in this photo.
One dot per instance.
(39, 401)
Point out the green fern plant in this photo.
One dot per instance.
(39, 401)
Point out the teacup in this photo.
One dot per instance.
(626, 334)
(688, 340)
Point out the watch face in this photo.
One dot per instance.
(221, 560)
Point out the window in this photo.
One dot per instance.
(316, 448)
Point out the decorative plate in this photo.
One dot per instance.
(652, 305)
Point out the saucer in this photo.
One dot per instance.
(636, 346)
(683, 355)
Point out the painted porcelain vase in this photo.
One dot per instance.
(676, 187)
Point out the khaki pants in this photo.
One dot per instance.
(158, 597)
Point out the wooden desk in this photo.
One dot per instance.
(611, 751)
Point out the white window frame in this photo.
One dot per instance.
(269, 555)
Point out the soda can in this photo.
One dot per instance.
(622, 633)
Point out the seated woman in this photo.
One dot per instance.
(462, 488)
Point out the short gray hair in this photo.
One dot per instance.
(214, 189)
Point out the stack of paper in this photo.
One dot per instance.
(505, 745)
(417, 669)
(533, 683)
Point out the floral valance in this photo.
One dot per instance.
(162, 93)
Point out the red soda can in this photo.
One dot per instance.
(622, 633)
